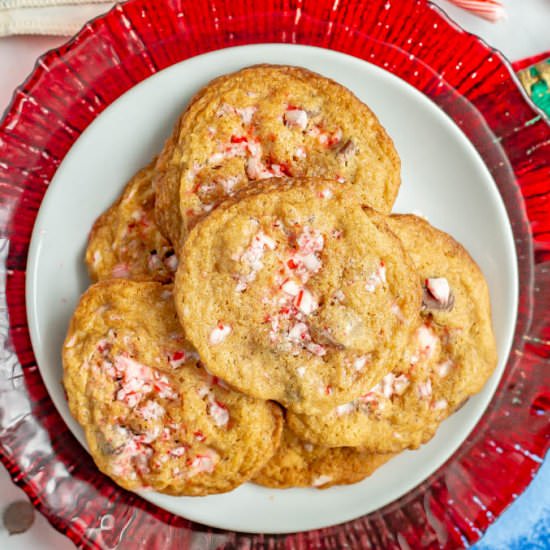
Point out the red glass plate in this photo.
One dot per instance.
(70, 86)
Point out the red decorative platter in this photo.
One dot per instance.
(473, 84)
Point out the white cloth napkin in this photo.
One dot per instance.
(61, 17)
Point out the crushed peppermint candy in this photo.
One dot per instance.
(219, 333)
(440, 405)
(203, 463)
(427, 341)
(425, 389)
(252, 257)
(360, 362)
(443, 369)
(199, 436)
(300, 153)
(321, 480)
(228, 184)
(392, 385)
(256, 169)
(293, 300)
(306, 302)
(346, 408)
(376, 278)
(151, 411)
(71, 341)
(137, 380)
(396, 310)
(295, 117)
(218, 412)
(439, 288)
(328, 139)
(180, 357)
(132, 454)
(246, 113)
(178, 451)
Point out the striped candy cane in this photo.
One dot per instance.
(492, 10)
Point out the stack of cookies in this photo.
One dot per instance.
(258, 314)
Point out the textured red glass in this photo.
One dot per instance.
(412, 39)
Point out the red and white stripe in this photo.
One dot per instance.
(492, 10)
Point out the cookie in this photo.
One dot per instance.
(125, 241)
(295, 292)
(450, 357)
(300, 464)
(270, 121)
(153, 417)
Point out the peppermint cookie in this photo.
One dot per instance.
(300, 464)
(125, 242)
(450, 357)
(270, 121)
(294, 292)
(153, 417)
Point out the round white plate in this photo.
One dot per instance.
(443, 178)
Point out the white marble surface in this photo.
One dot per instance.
(523, 34)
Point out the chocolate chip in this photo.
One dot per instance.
(18, 517)
(429, 302)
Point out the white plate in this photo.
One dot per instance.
(443, 177)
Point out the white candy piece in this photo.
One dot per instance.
(377, 278)
(220, 333)
(443, 369)
(346, 408)
(292, 288)
(427, 341)
(152, 411)
(321, 480)
(219, 414)
(300, 153)
(246, 113)
(425, 389)
(298, 332)
(440, 405)
(311, 262)
(306, 302)
(296, 117)
(439, 288)
(178, 451)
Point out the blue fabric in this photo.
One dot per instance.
(526, 523)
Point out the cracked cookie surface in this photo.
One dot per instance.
(449, 358)
(270, 121)
(295, 292)
(125, 242)
(153, 416)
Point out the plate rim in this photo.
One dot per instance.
(36, 243)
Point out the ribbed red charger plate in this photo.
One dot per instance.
(412, 39)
